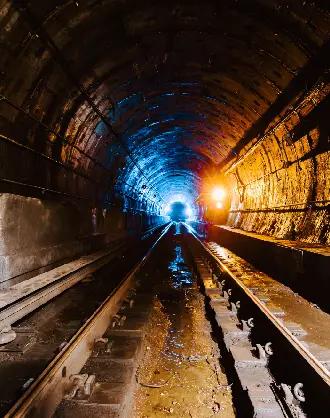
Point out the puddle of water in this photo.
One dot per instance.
(180, 274)
(182, 359)
(181, 362)
(177, 228)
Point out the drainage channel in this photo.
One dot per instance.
(180, 374)
(48, 336)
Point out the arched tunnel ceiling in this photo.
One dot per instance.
(181, 82)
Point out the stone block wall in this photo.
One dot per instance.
(282, 186)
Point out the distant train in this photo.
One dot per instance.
(178, 212)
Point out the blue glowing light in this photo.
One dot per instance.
(180, 273)
(168, 142)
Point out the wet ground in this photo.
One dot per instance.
(181, 375)
(297, 310)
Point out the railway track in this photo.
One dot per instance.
(273, 354)
(53, 328)
(281, 367)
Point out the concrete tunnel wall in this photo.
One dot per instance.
(187, 88)
(38, 233)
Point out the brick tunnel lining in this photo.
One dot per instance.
(185, 87)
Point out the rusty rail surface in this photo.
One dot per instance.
(23, 298)
(312, 366)
(301, 349)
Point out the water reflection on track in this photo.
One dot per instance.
(179, 272)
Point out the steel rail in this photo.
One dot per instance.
(23, 298)
(46, 392)
(301, 349)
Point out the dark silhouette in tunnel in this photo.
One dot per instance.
(178, 211)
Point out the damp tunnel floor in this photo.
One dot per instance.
(173, 324)
(180, 374)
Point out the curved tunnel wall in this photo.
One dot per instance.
(281, 184)
(117, 106)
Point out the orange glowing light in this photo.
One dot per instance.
(218, 193)
(219, 205)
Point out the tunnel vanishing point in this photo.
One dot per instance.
(127, 122)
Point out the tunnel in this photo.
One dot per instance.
(190, 139)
